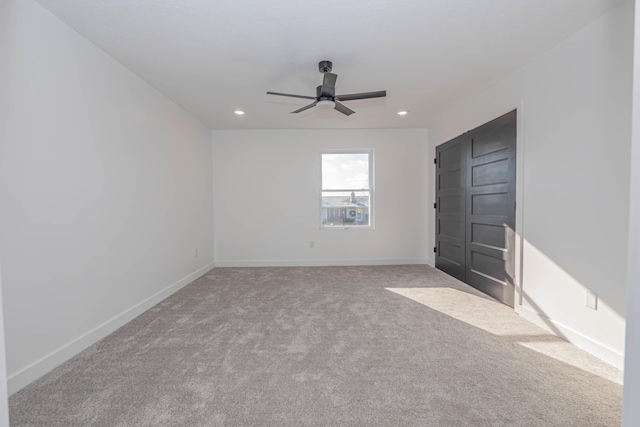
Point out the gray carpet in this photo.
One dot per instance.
(326, 346)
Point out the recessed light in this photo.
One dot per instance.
(403, 113)
(239, 112)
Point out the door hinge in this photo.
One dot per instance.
(435, 206)
(435, 249)
(435, 161)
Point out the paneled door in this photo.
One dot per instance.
(490, 208)
(450, 208)
(488, 182)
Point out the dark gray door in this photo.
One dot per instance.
(450, 207)
(490, 208)
(475, 216)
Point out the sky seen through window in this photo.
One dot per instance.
(345, 171)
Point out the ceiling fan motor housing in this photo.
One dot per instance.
(325, 66)
(321, 97)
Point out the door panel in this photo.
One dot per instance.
(450, 204)
(491, 173)
(492, 141)
(450, 228)
(489, 204)
(450, 180)
(450, 208)
(450, 155)
(451, 253)
(490, 214)
(489, 235)
(489, 267)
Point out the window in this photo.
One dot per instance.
(347, 189)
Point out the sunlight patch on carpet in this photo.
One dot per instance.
(498, 319)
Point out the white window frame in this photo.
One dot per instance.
(371, 190)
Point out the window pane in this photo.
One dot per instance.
(344, 208)
(345, 171)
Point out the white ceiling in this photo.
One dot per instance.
(213, 56)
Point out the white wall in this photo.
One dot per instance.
(573, 141)
(4, 400)
(631, 397)
(106, 190)
(4, 112)
(267, 196)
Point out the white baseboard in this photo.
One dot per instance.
(27, 375)
(321, 262)
(601, 351)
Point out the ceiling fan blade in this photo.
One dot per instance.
(329, 84)
(344, 109)
(306, 107)
(293, 96)
(363, 95)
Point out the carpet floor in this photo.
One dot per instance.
(326, 346)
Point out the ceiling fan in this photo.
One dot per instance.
(326, 98)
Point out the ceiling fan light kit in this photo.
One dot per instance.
(325, 98)
(325, 104)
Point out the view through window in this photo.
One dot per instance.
(347, 189)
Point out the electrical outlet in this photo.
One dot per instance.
(312, 244)
(591, 300)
